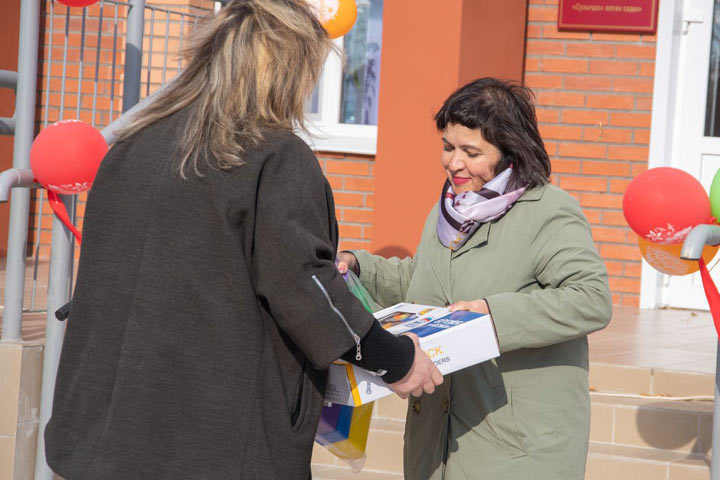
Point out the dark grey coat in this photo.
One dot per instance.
(197, 337)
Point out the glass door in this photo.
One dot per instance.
(696, 146)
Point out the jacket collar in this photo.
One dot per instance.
(480, 237)
(441, 256)
(533, 195)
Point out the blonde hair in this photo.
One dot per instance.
(251, 66)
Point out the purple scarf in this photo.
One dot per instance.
(460, 215)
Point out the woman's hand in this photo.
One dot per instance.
(423, 376)
(345, 261)
(477, 306)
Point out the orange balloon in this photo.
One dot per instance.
(336, 16)
(666, 258)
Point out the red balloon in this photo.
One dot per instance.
(662, 205)
(77, 3)
(58, 207)
(66, 155)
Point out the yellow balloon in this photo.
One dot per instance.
(336, 16)
(666, 258)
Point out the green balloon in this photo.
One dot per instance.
(715, 196)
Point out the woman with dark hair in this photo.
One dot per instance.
(207, 305)
(501, 240)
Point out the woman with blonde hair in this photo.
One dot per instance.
(207, 304)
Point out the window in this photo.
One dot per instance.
(342, 111)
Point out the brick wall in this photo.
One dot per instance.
(70, 41)
(352, 180)
(594, 96)
(351, 177)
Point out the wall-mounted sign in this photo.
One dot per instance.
(608, 15)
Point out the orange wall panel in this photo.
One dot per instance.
(429, 50)
(420, 65)
(600, 85)
(492, 42)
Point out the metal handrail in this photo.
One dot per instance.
(692, 248)
(24, 130)
(13, 178)
(8, 79)
(7, 125)
(104, 53)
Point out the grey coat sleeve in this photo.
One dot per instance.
(293, 258)
(573, 299)
(388, 279)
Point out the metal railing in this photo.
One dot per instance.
(82, 81)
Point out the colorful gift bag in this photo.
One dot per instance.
(343, 431)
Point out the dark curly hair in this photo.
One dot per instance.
(503, 111)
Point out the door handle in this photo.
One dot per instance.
(691, 16)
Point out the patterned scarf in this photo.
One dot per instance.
(460, 215)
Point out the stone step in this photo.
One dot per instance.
(604, 462)
(650, 381)
(675, 428)
(323, 472)
(622, 462)
(652, 422)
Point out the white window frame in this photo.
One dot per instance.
(662, 124)
(327, 134)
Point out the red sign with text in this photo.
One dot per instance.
(608, 15)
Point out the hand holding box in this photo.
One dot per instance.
(453, 340)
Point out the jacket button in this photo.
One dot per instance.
(416, 406)
(445, 406)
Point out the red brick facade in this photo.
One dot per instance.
(352, 181)
(594, 98)
(62, 53)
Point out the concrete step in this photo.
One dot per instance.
(652, 422)
(320, 472)
(650, 381)
(604, 462)
(628, 463)
(622, 424)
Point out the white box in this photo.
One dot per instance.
(453, 340)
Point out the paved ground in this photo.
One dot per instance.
(670, 339)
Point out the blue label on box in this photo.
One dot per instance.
(448, 321)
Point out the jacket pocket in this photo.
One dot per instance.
(300, 404)
(502, 424)
(309, 397)
(535, 413)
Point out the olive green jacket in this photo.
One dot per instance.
(525, 414)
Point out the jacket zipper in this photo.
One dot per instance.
(355, 336)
